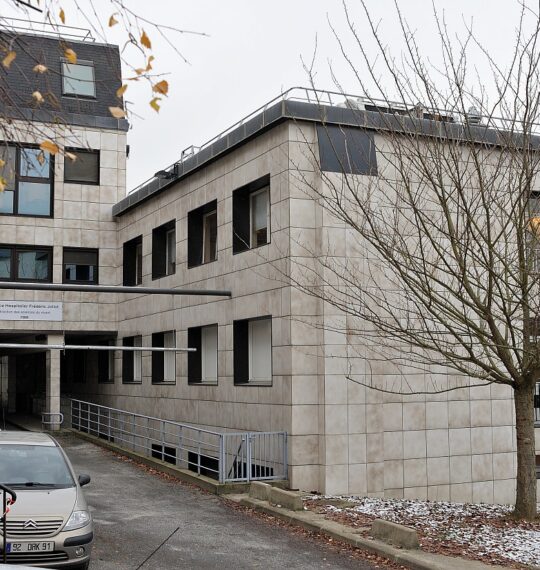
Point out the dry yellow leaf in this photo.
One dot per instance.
(2, 163)
(70, 55)
(38, 97)
(62, 16)
(117, 112)
(40, 68)
(139, 71)
(8, 59)
(149, 64)
(71, 156)
(49, 146)
(121, 90)
(161, 87)
(3, 184)
(112, 21)
(41, 158)
(154, 103)
(145, 40)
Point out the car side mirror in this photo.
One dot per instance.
(84, 480)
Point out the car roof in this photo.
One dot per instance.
(26, 438)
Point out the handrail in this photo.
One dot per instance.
(5, 509)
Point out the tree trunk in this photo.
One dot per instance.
(526, 457)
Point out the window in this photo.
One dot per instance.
(106, 365)
(22, 263)
(164, 250)
(132, 361)
(78, 79)
(164, 363)
(29, 174)
(84, 168)
(202, 234)
(251, 215)
(349, 150)
(253, 351)
(132, 268)
(202, 364)
(80, 265)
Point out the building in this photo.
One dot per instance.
(229, 216)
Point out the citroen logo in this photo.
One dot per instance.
(30, 524)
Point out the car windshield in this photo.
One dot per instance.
(34, 466)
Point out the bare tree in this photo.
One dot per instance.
(440, 271)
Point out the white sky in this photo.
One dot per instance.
(254, 52)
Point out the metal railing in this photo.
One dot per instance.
(19, 26)
(226, 457)
(325, 97)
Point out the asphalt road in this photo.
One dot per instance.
(135, 511)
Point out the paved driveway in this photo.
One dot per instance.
(135, 511)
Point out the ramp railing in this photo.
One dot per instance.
(224, 456)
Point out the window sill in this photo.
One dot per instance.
(195, 383)
(156, 277)
(251, 248)
(131, 381)
(202, 264)
(85, 182)
(256, 384)
(163, 383)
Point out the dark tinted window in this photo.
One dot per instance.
(84, 168)
(348, 150)
(80, 265)
(202, 234)
(25, 263)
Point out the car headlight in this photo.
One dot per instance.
(78, 519)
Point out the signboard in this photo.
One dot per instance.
(30, 311)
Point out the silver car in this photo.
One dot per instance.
(49, 525)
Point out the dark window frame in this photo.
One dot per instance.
(241, 226)
(128, 361)
(82, 250)
(82, 62)
(131, 276)
(37, 180)
(158, 359)
(159, 250)
(241, 352)
(83, 151)
(195, 241)
(14, 262)
(195, 358)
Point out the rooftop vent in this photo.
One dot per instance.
(473, 116)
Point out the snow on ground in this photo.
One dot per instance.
(475, 530)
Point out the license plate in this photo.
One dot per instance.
(14, 547)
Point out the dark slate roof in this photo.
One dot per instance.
(373, 118)
(19, 82)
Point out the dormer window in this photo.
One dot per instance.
(78, 79)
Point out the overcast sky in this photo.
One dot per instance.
(253, 52)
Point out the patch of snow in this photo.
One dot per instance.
(480, 528)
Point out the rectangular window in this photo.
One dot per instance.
(202, 364)
(164, 250)
(349, 150)
(106, 365)
(164, 363)
(84, 168)
(260, 217)
(78, 79)
(25, 263)
(132, 361)
(29, 173)
(253, 351)
(132, 262)
(80, 266)
(251, 215)
(202, 234)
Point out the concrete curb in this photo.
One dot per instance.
(314, 522)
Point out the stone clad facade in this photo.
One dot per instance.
(343, 437)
